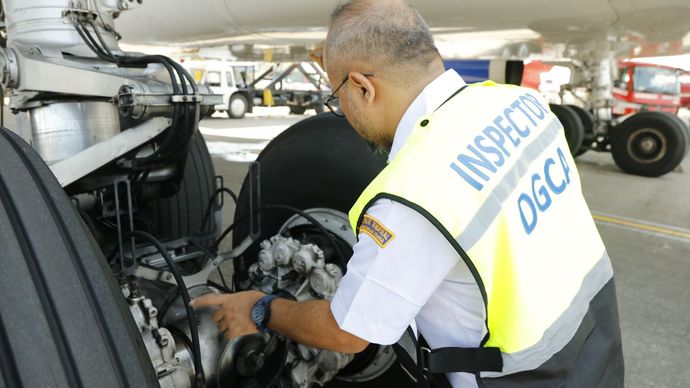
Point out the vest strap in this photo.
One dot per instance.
(468, 360)
(452, 95)
(408, 352)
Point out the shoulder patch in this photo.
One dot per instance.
(379, 233)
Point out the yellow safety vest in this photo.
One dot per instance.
(491, 170)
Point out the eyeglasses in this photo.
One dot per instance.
(333, 103)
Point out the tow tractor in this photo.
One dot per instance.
(299, 86)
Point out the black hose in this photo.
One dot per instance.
(179, 79)
(191, 316)
(220, 287)
(104, 46)
(90, 43)
(207, 213)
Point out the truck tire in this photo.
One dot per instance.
(572, 124)
(63, 320)
(649, 144)
(182, 215)
(238, 105)
(587, 120)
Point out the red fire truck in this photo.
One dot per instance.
(639, 86)
(646, 87)
(685, 90)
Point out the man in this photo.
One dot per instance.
(476, 234)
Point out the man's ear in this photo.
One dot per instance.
(363, 86)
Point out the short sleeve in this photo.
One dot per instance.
(399, 261)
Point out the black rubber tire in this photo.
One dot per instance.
(182, 214)
(573, 126)
(63, 320)
(318, 162)
(686, 131)
(236, 97)
(660, 127)
(587, 120)
(297, 110)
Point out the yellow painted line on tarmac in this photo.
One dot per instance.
(642, 226)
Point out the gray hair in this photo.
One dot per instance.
(388, 34)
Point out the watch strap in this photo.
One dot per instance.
(265, 303)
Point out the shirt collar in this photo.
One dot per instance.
(431, 97)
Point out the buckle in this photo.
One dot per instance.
(424, 354)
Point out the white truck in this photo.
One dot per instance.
(231, 80)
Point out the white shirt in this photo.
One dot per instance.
(418, 279)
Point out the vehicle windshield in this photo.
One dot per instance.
(656, 80)
(244, 76)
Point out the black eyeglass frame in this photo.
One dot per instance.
(334, 97)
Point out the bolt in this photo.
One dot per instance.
(160, 340)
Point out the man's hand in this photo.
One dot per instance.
(233, 315)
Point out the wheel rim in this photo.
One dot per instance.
(333, 220)
(647, 145)
(237, 106)
(375, 360)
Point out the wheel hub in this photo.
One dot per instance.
(237, 106)
(647, 145)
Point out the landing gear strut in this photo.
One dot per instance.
(646, 143)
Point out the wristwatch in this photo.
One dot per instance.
(261, 313)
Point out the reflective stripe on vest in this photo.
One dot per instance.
(491, 169)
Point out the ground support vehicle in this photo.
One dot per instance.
(300, 86)
(232, 80)
(646, 87)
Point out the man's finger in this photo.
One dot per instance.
(210, 300)
(218, 315)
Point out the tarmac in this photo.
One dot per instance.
(644, 222)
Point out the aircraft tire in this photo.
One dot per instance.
(63, 321)
(649, 144)
(182, 214)
(686, 131)
(587, 120)
(572, 124)
(319, 162)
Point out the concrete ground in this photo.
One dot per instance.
(645, 223)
